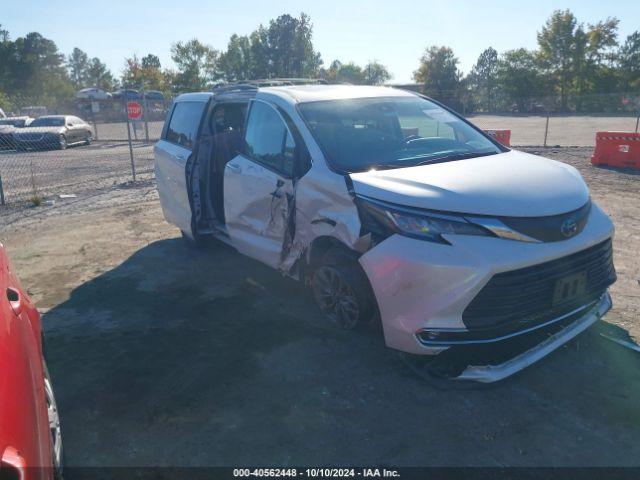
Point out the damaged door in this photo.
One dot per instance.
(258, 186)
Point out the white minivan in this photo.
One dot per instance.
(393, 207)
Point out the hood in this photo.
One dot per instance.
(512, 184)
(40, 130)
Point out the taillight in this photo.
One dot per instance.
(12, 465)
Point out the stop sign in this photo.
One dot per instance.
(134, 110)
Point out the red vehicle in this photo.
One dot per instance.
(30, 440)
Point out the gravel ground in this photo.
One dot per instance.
(571, 130)
(46, 173)
(162, 355)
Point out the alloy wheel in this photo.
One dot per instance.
(335, 297)
(54, 422)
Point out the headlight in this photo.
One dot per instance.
(384, 220)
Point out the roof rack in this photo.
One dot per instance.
(249, 85)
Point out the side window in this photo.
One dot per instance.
(267, 139)
(184, 122)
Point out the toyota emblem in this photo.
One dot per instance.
(569, 227)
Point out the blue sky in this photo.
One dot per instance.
(394, 32)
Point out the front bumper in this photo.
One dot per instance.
(41, 143)
(494, 373)
(420, 285)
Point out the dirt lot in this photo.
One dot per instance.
(168, 356)
(573, 130)
(74, 170)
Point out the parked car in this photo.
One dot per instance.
(128, 94)
(92, 94)
(30, 434)
(8, 126)
(391, 205)
(34, 111)
(154, 95)
(53, 132)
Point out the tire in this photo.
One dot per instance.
(88, 140)
(62, 143)
(342, 292)
(57, 452)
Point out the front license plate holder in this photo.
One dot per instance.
(569, 288)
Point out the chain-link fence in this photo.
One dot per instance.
(76, 146)
(94, 142)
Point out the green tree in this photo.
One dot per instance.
(519, 79)
(259, 55)
(629, 60)
(483, 79)
(339, 72)
(38, 71)
(290, 47)
(99, 76)
(236, 62)
(151, 61)
(558, 44)
(78, 64)
(439, 74)
(376, 74)
(197, 65)
(144, 74)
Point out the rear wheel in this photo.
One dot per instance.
(57, 453)
(88, 139)
(341, 291)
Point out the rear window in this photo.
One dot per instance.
(183, 126)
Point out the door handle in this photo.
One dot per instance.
(234, 167)
(15, 300)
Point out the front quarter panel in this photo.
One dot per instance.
(419, 284)
(23, 415)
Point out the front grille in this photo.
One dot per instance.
(549, 229)
(523, 298)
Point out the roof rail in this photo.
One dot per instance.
(267, 82)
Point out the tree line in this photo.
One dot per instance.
(576, 67)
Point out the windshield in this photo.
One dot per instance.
(392, 132)
(13, 122)
(47, 122)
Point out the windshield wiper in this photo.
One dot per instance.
(405, 163)
(455, 156)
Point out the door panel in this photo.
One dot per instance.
(170, 170)
(256, 203)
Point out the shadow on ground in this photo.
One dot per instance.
(182, 357)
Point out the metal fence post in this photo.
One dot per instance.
(637, 122)
(95, 125)
(133, 165)
(546, 130)
(1, 192)
(145, 104)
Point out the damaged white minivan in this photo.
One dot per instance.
(391, 206)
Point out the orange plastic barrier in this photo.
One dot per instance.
(617, 149)
(503, 136)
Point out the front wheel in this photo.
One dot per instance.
(57, 453)
(342, 293)
(62, 142)
(88, 139)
